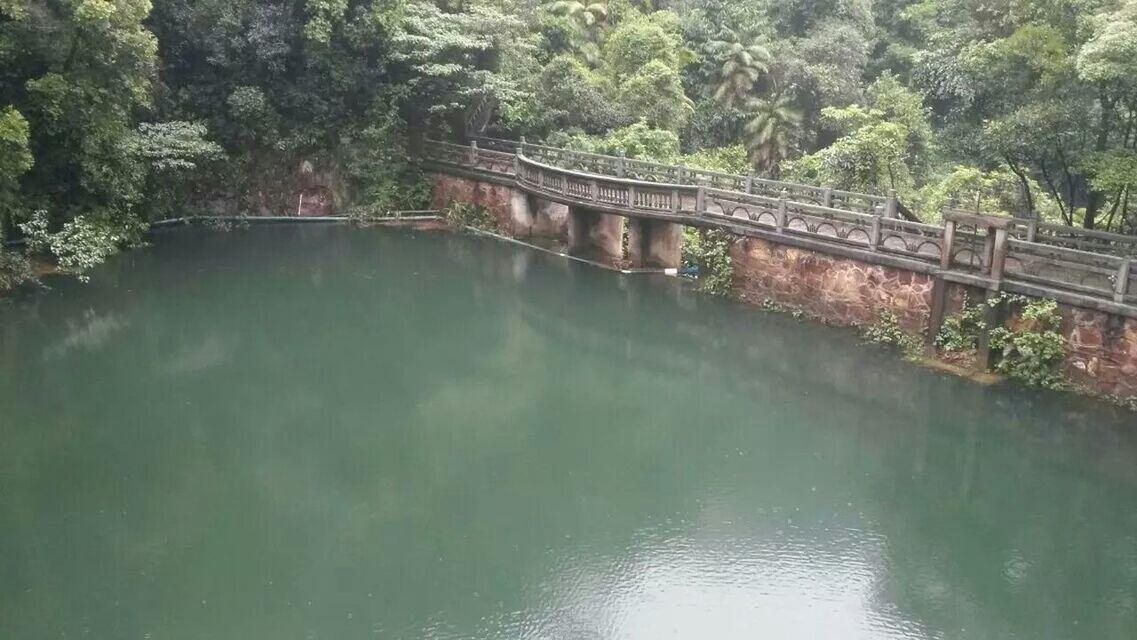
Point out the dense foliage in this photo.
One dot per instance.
(117, 112)
(709, 252)
(888, 332)
(961, 332)
(1032, 347)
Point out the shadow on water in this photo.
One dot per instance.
(328, 432)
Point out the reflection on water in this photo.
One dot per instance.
(324, 432)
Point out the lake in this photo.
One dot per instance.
(321, 432)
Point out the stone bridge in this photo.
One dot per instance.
(586, 199)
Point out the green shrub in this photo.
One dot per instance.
(773, 306)
(1125, 402)
(464, 214)
(692, 247)
(15, 271)
(887, 331)
(217, 223)
(637, 141)
(83, 242)
(710, 252)
(1034, 351)
(732, 159)
(961, 332)
(716, 269)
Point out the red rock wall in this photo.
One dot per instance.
(496, 198)
(1103, 350)
(837, 290)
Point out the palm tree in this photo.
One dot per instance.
(586, 16)
(774, 125)
(744, 65)
(587, 21)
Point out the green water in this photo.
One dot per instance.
(323, 432)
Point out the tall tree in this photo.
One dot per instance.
(772, 132)
(742, 67)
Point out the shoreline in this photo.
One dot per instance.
(435, 222)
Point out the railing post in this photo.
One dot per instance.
(1031, 229)
(874, 236)
(674, 201)
(622, 167)
(700, 200)
(1121, 286)
(999, 255)
(892, 205)
(473, 151)
(949, 242)
(749, 183)
(631, 196)
(827, 198)
(780, 221)
(594, 187)
(541, 178)
(987, 260)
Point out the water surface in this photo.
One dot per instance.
(329, 433)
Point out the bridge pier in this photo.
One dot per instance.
(655, 243)
(550, 219)
(533, 216)
(595, 233)
(521, 212)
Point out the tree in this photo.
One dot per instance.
(15, 160)
(636, 140)
(880, 146)
(655, 92)
(452, 61)
(569, 95)
(772, 131)
(639, 40)
(586, 22)
(742, 68)
(1108, 61)
(75, 74)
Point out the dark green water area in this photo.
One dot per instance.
(319, 432)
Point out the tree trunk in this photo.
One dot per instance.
(1026, 186)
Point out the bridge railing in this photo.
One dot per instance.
(634, 196)
(990, 249)
(873, 232)
(647, 171)
(1093, 274)
(1068, 237)
(492, 161)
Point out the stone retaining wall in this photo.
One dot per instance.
(836, 290)
(496, 198)
(1102, 350)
